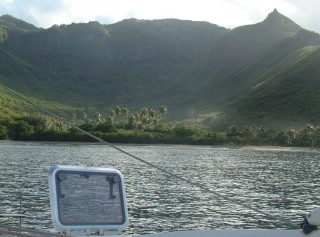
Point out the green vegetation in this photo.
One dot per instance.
(293, 94)
(266, 74)
(146, 126)
(129, 62)
(258, 74)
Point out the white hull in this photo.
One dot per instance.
(235, 233)
(17, 231)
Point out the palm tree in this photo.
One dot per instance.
(98, 117)
(163, 110)
(153, 118)
(132, 121)
(144, 117)
(125, 111)
(305, 135)
(112, 116)
(249, 133)
(118, 110)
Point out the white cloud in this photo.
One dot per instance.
(227, 13)
(5, 1)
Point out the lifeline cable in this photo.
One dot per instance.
(198, 185)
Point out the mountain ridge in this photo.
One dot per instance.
(116, 56)
(195, 68)
(237, 49)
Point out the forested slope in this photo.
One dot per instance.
(266, 73)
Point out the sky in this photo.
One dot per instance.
(226, 13)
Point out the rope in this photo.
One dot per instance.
(170, 174)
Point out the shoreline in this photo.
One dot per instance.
(280, 148)
(244, 147)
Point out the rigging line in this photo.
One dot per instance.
(170, 174)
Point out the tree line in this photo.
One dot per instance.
(149, 126)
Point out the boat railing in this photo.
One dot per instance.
(27, 209)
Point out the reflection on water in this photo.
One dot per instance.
(282, 183)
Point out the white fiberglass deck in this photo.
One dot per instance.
(235, 233)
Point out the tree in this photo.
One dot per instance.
(3, 133)
(132, 121)
(233, 131)
(88, 126)
(124, 111)
(282, 139)
(117, 110)
(163, 110)
(305, 135)
(112, 116)
(98, 117)
(22, 130)
(183, 131)
(144, 117)
(39, 123)
(106, 127)
(153, 118)
(119, 116)
(249, 133)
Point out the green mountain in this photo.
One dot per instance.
(265, 74)
(125, 63)
(249, 58)
(14, 23)
(230, 68)
(290, 96)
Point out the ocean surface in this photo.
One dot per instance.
(283, 184)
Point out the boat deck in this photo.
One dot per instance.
(235, 233)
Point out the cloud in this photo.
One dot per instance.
(5, 1)
(31, 11)
(305, 13)
(227, 13)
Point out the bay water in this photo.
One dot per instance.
(285, 184)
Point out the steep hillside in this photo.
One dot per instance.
(291, 97)
(14, 23)
(251, 65)
(230, 67)
(266, 73)
(12, 107)
(106, 65)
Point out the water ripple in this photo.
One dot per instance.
(284, 184)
